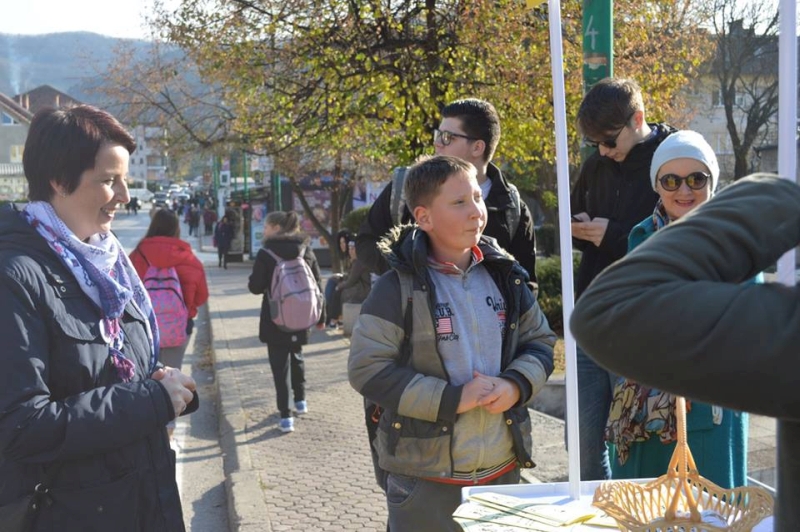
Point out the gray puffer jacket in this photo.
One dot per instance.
(416, 431)
(62, 404)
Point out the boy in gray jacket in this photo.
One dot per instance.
(480, 350)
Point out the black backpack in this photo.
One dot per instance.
(374, 411)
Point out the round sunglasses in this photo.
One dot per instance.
(695, 181)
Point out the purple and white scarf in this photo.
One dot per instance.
(105, 274)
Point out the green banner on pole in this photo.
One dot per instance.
(598, 41)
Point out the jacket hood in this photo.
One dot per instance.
(16, 232)
(165, 251)
(642, 153)
(286, 246)
(405, 248)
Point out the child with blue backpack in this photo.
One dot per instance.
(287, 274)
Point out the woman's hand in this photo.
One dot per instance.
(179, 387)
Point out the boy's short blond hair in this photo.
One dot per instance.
(428, 174)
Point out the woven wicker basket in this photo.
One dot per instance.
(674, 502)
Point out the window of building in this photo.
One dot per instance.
(717, 101)
(16, 153)
(6, 119)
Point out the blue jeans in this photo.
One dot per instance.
(595, 387)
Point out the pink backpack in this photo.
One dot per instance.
(166, 296)
(295, 300)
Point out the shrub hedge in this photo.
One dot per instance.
(548, 274)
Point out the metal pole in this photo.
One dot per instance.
(244, 172)
(565, 239)
(787, 121)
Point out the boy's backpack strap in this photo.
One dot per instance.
(514, 214)
(406, 304)
(397, 200)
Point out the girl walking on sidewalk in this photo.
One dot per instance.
(282, 237)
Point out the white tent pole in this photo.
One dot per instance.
(787, 119)
(565, 239)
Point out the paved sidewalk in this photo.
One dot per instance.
(318, 478)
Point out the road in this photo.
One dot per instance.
(201, 479)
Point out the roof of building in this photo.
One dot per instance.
(44, 96)
(12, 108)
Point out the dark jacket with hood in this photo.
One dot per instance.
(620, 192)
(286, 247)
(676, 314)
(62, 403)
(522, 244)
(420, 423)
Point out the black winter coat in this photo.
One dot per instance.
(61, 402)
(286, 247)
(620, 192)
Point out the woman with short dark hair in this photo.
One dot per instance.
(83, 398)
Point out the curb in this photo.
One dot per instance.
(247, 511)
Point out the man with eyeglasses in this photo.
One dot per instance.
(469, 130)
(612, 194)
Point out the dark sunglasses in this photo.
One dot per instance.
(695, 181)
(612, 142)
(446, 137)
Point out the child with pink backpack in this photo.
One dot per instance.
(176, 282)
(287, 274)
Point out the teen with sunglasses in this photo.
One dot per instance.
(469, 130)
(641, 425)
(612, 194)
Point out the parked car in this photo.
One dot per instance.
(160, 200)
(141, 193)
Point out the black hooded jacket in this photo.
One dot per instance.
(62, 404)
(286, 247)
(620, 192)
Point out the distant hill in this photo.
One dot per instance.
(70, 62)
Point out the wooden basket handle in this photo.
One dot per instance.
(681, 463)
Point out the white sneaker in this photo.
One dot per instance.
(301, 407)
(287, 424)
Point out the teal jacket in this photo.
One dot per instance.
(651, 458)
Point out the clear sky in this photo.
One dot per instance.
(115, 18)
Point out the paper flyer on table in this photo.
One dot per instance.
(474, 511)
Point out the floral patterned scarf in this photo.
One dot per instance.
(637, 411)
(107, 277)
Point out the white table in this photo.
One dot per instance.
(558, 493)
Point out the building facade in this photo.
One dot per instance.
(14, 123)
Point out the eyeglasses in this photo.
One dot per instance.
(695, 181)
(612, 142)
(446, 137)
